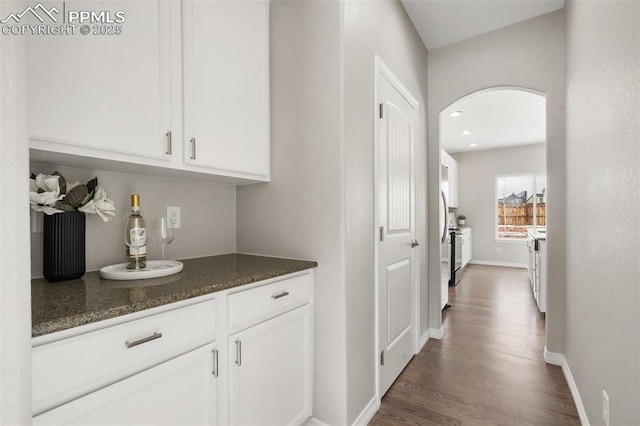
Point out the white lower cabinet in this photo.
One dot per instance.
(243, 357)
(270, 375)
(537, 266)
(181, 391)
(467, 244)
(541, 275)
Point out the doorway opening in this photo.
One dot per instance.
(493, 148)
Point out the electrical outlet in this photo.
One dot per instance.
(173, 215)
(605, 408)
(498, 249)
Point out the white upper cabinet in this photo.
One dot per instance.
(104, 95)
(179, 88)
(452, 169)
(226, 86)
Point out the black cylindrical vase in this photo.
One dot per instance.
(64, 246)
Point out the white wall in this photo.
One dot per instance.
(403, 52)
(528, 54)
(319, 203)
(300, 213)
(208, 216)
(477, 171)
(603, 200)
(15, 291)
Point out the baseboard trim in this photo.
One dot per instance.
(505, 264)
(423, 340)
(436, 333)
(560, 360)
(367, 413)
(312, 421)
(553, 358)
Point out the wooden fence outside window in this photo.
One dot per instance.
(513, 219)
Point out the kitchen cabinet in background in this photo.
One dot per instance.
(179, 89)
(452, 167)
(541, 275)
(467, 246)
(537, 268)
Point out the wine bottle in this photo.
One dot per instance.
(137, 232)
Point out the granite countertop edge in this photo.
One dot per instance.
(91, 316)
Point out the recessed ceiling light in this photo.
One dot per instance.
(455, 114)
(466, 132)
(473, 144)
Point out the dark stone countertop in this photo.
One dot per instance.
(63, 305)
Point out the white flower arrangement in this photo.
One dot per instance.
(51, 194)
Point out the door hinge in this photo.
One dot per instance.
(382, 358)
(381, 111)
(382, 233)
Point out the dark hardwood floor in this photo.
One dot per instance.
(489, 368)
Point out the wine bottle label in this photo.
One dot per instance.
(137, 236)
(142, 251)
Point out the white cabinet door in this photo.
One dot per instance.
(181, 391)
(466, 247)
(452, 178)
(270, 371)
(96, 95)
(453, 183)
(226, 86)
(531, 260)
(541, 276)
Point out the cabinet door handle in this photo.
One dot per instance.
(193, 148)
(154, 336)
(238, 353)
(279, 295)
(215, 363)
(169, 147)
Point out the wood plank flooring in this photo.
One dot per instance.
(489, 368)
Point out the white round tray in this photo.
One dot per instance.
(154, 269)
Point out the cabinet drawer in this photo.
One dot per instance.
(69, 368)
(269, 300)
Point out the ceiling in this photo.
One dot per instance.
(495, 118)
(443, 22)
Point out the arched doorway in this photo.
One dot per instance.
(507, 127)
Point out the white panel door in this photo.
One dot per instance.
(270, 378)
(396, 216)
(181, 391)
(107, 91)
(226, 85)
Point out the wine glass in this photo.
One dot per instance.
(135, 236)
(162, 234)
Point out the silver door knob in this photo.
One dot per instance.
(414, 243)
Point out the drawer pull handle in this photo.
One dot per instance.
(215, 363)
(154, 336)
(193, 148)
(279, 295)
(169, 147)
(238, 353)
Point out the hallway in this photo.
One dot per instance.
(489, 368)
